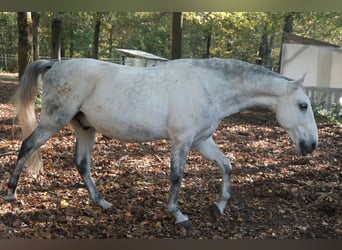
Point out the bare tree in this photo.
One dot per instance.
(265, 49)
(288, 28)
(56, 31)
(35, 34)
(24, 40)
(177, 20)
(97, 36)
(208, 42)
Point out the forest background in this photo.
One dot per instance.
(254, 37)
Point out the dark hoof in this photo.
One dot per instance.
(10, 198)
(216, 212)
(186, 224)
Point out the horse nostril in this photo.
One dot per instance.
(305, 148)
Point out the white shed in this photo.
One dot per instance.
(321, 61)
(140, 58)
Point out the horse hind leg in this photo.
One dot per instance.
(209, 149)
(85, 138)
(29, 146)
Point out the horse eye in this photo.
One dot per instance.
(303, 106)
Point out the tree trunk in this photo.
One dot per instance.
(176, 51)
(72, 43)
(96, 36)
(35, 34)
(208, 38)
(268, 59)
(111, 34)
(265, 50)
(24, 23)
(288, 28)
(56, 30)
(262, 47)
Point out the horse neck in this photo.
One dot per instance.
(254, 91)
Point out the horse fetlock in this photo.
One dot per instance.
(181, 219)
(216, 211)
(11, 196)
(104, 204)
(186, 224)
(218, 208)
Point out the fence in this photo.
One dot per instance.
(8, 62)
(325, 97)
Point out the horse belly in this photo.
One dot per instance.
(133, 133)
(129, 128)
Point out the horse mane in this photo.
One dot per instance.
(238, 67)
(247, 75)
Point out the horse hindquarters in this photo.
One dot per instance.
(29, 146)
(24, 101)
(55, 115)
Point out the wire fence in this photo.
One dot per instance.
(9, 62)
(325, 98)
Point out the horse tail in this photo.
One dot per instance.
(24, 101)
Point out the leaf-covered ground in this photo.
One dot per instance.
(276, 194)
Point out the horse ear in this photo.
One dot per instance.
(299, 82)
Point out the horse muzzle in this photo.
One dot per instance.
(306, 148)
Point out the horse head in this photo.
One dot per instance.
(294, 113)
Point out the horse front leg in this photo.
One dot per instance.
(210, 150)
(178, 158)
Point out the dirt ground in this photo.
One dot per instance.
(276, 193)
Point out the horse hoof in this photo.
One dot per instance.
(186, 224)
(10, 198)
(105, 204)
(216, 212)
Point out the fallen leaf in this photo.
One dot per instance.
(64, 204)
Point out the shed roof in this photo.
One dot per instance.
(294, 39)
(141, 54)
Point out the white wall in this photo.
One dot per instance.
(322, 64)
(336, 69)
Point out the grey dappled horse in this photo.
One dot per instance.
(182, 101)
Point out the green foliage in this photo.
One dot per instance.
(333, 115)
(232, 34)
(325, 26)
(153, 33)
(8, 41)
(38, 101)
